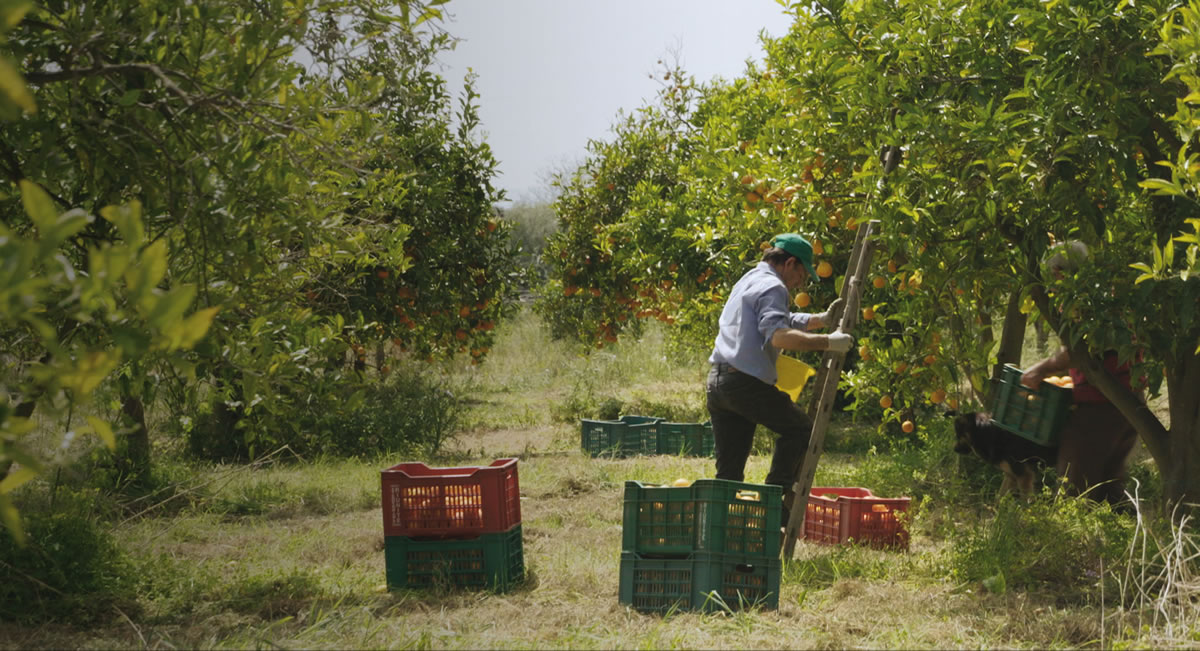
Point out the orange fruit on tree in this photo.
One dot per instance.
(930, 359)
(901, 367)
(885, 401)
(952, 403)
(891, 267)
(824, 269)
(907, 426)
(879, 282)
(868, 313)
(864, 353)
(803, 299)
(818, 248)
(937, 396)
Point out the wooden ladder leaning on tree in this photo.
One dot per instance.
(828, 375)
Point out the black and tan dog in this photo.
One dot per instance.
(1018, 458)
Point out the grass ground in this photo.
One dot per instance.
(289, 554)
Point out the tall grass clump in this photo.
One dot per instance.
(1061, 545)
(1158, 581)
(415, 409)
(70, 567)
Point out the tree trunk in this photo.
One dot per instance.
(1012, 337)
(1180, 464)
(135, 461)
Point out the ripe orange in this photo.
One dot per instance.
(901, 367)
(824, 269)
(879, 282)
(892, 268)
(930, 359)
(868, 313)
(747, 180)
(570, 290)
(885, 401)
(907, 426)
(818, 248)
(952, 403)
(864, 353)
(803, 299)
(937, 396)
(464, 311)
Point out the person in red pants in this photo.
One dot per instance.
(1096, 441)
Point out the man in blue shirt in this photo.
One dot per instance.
(755, 325)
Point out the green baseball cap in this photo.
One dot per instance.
(799, 247)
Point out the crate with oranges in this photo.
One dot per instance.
(1037, 415)
(459, 527)
(836, 516)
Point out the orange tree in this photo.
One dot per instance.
(976, 147)
(282, 189)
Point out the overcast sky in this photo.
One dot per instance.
(553, 74)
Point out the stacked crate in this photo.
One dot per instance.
(644, 435)
(713, 545)
(452, 527)
(854, 515)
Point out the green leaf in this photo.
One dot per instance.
(104, 431)
(12, 520)
(145, 276)
(186, 333)
(38, 205)
(1162, 186)
(16, 478)
(90, 371)
(128, 220)
(170, 307)
(12, 11)
(12, 87)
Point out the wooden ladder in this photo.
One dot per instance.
(828, 375)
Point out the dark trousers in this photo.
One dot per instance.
(1093, 451)
(737, 403)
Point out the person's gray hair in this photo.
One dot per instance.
(1067, 256)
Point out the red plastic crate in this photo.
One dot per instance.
(855, 514)
(421, 501)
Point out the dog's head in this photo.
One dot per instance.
(966, 428)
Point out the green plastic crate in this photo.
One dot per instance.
(711, 515)
(492, 561)
(1036, 415)
(706, 582)
(686, 439)
(631, 435)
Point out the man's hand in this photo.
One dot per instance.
(839, 342)
(825, 318)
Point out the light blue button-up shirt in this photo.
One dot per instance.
(757, 307)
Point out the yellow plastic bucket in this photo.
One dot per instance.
(793, 375)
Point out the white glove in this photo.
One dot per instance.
(839, 342)
(826, 317)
